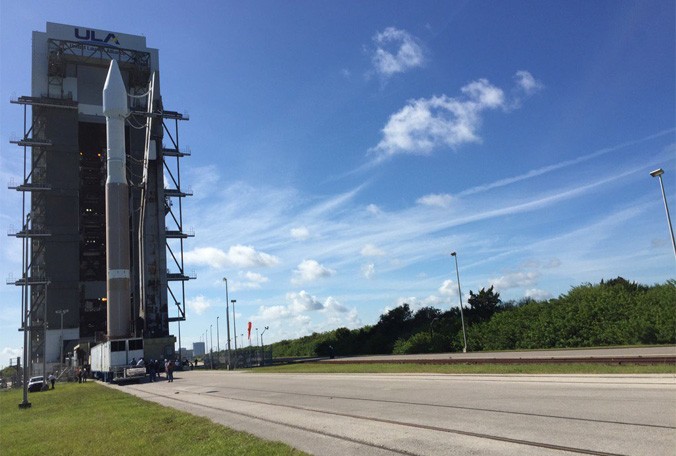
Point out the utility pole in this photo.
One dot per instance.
(24, 295)
(227, 320)
(462, 318)
(658, 173)
(44, 343)
(211, 353)
(234, 327)
(179, 341)
(263, 345)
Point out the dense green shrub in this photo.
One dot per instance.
(616, 312)
(612, 313)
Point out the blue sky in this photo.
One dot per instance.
(342, 150)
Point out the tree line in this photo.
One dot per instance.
(613, 312)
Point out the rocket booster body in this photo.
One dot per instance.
(117, 206)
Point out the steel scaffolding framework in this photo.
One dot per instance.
(174, 230)
(33, 281)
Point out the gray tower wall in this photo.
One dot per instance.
(56, 212)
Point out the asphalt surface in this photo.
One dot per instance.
(619, 352)
(428, 414)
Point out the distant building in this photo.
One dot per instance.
(185, 353)
(198, 349)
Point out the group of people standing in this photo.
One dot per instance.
(81, 373)
(154, 368)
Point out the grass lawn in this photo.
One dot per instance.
(91, 419)
(393, 368)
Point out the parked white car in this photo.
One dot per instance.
(36, 384)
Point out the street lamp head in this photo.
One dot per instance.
(657, 172)
(267, 327)
(233, 301)
(225, 279)
(453, 253)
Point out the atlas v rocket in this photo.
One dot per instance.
(117, 206)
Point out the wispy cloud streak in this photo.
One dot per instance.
(564, 164)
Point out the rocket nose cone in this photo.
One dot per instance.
(114, 93)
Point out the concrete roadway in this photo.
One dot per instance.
(385, 414)
(617, 352)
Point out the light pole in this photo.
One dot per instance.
(227, 319)
(24, 301)
(211, 345)
(179, 340)
(435, 319)
(218, 342)
(61, 312)
(44, 343)
(263, 345)
(658, 173)
(234, 327)
(462, 317)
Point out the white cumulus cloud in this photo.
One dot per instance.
(272, 313)
(448, 288)
(243, 256)
(303, 314)
(199, 304)
(301, 233)
(369, 270)
(442, 200)
(252, 280)
(332, 305)
(526, 82)
(303, 302)
(537, 294)
(246, 256)
(416, 303)
(396, 51)
(426, 124)
(516, 280)
(309, 271)
(206, 256)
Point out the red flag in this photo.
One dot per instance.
(248, 329)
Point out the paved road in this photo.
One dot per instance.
(384, 414)
(619, 352)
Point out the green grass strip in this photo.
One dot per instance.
(91, 419)
(393, 368)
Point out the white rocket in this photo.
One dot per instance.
(117, 206)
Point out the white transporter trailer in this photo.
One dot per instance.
(111, 361)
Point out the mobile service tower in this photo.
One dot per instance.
(102, 226)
